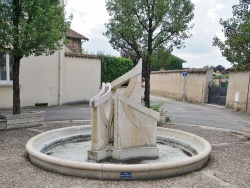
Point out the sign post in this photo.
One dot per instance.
(184, 94)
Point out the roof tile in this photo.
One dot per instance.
(73, 34)
(78, 55)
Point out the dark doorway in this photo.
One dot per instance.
(217, 94)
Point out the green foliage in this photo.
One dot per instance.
(160, 58)
(138, 23)
(31, 27)
(168, 119)
(222, 76)
(157, 107)
(213, 84)
(140, 27)
(236, 47)
(175, 64)
(209, 67)
(226, 83)
(114, 67)
(163, 59)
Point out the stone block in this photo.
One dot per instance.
(24, 120)
(97, 156)
(3, 125)
(139, 152)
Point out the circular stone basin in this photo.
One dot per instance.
(190, 152)
(76, 148)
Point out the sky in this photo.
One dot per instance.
(89, 17)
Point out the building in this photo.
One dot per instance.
(67, 76)
(75, 41)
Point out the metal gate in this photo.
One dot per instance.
(217, 95)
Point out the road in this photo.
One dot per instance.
(203, 114)
(180, 112)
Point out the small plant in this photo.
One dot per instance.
(226, 83)
(213, 84)
(225, 179)
(168, 119)
(157, 107)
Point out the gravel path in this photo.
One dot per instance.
(228, 165)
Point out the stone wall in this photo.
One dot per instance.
(170, 84)
(238, 83)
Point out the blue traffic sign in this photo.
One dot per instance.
(184, 74)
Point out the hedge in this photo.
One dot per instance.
(114, 67)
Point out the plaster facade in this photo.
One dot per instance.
(238, 83)
(171, 84)
(55, 80)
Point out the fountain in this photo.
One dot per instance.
(123, 141)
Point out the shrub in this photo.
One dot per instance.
(114, 67)
(156, 107)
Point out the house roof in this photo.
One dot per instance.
(182, 60)
(73, 34)
(78, 55)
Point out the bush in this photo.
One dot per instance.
(114, 67)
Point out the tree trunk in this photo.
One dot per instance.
(17, 57)
(16, 86)
(147, 85)
(147, 65)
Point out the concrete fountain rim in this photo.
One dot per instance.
(116, 171)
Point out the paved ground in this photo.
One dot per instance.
(203, 114)
(184, 113)
(229, 164)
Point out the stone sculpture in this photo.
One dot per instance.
(122, 128)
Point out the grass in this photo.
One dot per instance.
(157, 107)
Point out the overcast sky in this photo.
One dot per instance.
(89, 17)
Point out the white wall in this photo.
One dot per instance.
(5, 95)
(39, 81)
(81, 79)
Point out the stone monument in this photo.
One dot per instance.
(122, 128)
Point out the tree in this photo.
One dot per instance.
(236, 47)
(160, 58)
(219, 68)
(209, 67)
(30, 28)
(163, 59)
(142, 26)
(174, 64)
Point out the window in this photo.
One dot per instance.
(6, 68)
